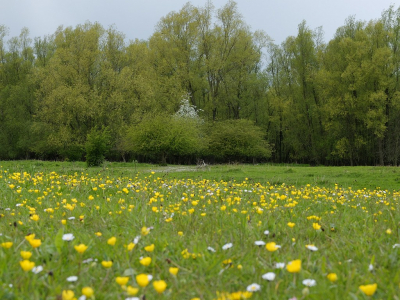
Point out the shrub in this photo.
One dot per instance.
(97, 145)
(162, 136)
(237, 140)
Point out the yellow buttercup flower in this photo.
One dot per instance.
(149, 248)
(81, 248)
(160, 286)
(122, 280)
(27, 265)
(132, 291)
(67, 295)
(87, 291)
(291, 225)
(130, 246)
(368, 289)
(106, 264)
(35, 218)
(35, 242)
(145, 261)
(7, 245)
(142, 280)
(316, 226)
(294, 266)
(111, 241)
(26, 254)
(272, 246)
(173, 270)
(145, 231)
(332, 277)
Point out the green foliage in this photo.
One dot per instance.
(237, 140)
(162, 136)
(97, 145)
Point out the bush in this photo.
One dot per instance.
(237, 140)
(97, 145)
(163, 136)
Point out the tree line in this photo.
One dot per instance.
(204, 86)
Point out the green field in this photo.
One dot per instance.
(201, 232)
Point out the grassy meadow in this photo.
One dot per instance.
(138, 231)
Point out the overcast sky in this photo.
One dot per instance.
(137, 19)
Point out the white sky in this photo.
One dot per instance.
(137, 19)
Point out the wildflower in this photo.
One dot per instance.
(227, 246)
(106, 264)
(270, 276)
(86, 261)
(316, 226)
(122, 280)
(27, 265)
(294, 266)
(30, 237)
(389, 231)
(136, 239)
(67, 295)
(332, 277)
(149, 248)
(160, 286)
(266, 232)
(81, 248)
(368, 289)
(132, 291)
(311, 247)
(145, 261)
(254, 287)
(145, 231)
(63, 222)
(173, 270)
(396, 246)
(309, 282)
(111, 241)
(7, 245)
(130, 246)
(213, 250)
(291, 225)
(370, 267)
(180, 233)
(87, 291)
(279, 265)
(143, 279)
(35, 242)
(98, 234)
(259, 243)
(72, 278)
(68, 237)
(272, 246)
(35, 218)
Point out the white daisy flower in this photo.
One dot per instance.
(266, 232)
(259, 243)
(227, 246)
(68, 237)
(72, 278)
(309, 282)
(211, 249)
(136, 239)
(311, 247)
(270, 276)
(254, 287)
(370, 267)
(279, 265)
(37, 269)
